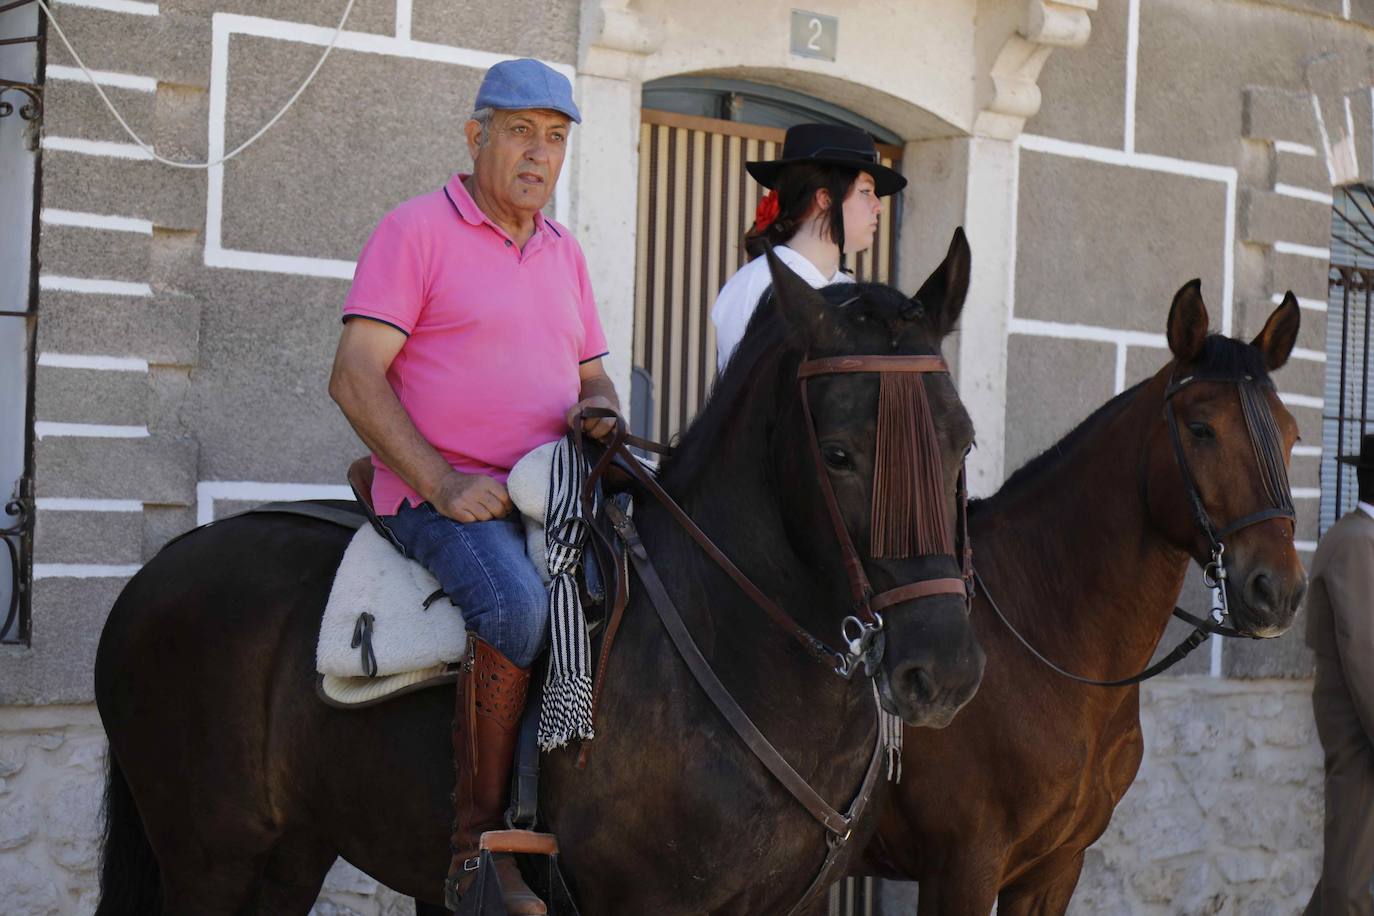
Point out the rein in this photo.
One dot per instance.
(1202, 629)
(1264, 440)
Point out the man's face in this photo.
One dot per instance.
(518, 165)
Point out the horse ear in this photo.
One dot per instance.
(800, 305)
(1280, 333)
(1188, 322)
(942, 295)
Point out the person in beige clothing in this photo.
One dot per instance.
(1340, 629)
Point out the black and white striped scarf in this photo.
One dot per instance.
(566, 714)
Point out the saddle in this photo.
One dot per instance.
(388, 628)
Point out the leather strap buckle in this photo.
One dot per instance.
(626, 530)
(835, 840)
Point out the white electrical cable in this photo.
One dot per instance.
(232, 153)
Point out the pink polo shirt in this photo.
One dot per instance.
(495, 335)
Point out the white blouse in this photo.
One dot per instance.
(741, 293)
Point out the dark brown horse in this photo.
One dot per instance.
(232, 788)
(1085, 550)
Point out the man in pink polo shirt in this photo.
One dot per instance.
(470, 338)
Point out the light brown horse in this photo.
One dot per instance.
(1085, 550)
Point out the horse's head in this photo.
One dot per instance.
(1216, 479)
(889, 444)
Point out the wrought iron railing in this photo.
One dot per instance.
(31, 108)
(17, 539)
(24, 100)
(1350, 306)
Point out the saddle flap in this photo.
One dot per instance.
(360, 474)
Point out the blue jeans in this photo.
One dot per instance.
(484, 569)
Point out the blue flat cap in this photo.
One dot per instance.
(525, 83)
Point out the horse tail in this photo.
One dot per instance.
(130, 881)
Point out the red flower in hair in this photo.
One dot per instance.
(767, 211)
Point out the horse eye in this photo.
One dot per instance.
(836, 457)
(1201, 431)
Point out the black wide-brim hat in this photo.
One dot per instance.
(1365, 459)
(829, 144)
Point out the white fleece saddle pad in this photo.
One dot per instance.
(375, 579)
(414, 647)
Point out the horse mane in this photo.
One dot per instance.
(767, 347)
(1221, 356)
(762, 346)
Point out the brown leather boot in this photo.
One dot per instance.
(490, 701)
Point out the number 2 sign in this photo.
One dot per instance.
(814, 35)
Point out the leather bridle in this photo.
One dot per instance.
(863, 628)
(1264, 440)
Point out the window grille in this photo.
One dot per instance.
(22, 39)
(1346, 415)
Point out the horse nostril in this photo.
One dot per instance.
(916, 682)
(1295, 600)
(1262, 594)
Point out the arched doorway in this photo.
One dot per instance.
(695, 204)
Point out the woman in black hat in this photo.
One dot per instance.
(823, 203)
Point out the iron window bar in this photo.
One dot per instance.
(1351, 281)
(32, 108)
(16, 538)
(1350, 196)
(1351, 242)
(25, 99)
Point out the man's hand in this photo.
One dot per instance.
(596, 427)
(470, 498)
